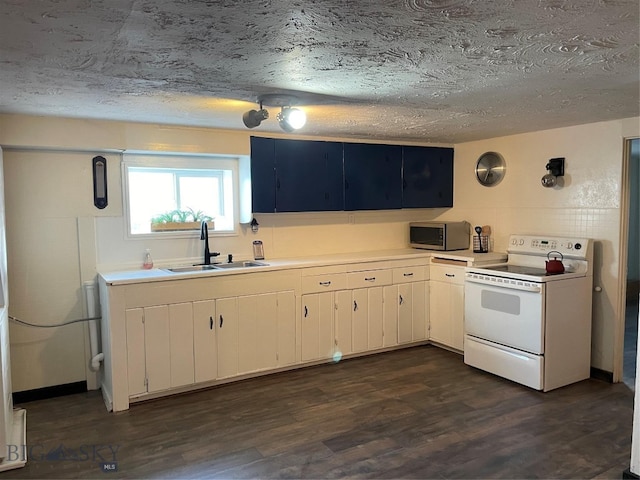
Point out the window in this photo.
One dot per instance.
(171, 195)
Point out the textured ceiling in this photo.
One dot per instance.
(443, 71)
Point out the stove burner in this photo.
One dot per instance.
(520, 270)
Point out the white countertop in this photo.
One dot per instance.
(472, 259)
(162, 274)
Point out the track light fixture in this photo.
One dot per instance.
(289, 118)
(253, 118)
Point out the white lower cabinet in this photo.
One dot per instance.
(390, 316)
(367, 317)
(136, 361)
(406, 312)
(446, 315)
(316, 329)
(255, 332)
(266, 335)
(343, 323)
(181, 344)
(227, 332)
(368, 307)
(170, 346)
(205, 349)
(166, 360)
(286, 328)
(324, 316)
(406, 306)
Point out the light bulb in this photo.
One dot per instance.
(291, 119)
(296, 118)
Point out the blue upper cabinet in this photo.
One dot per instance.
(427, 177)
(308, 176)
(372, 176)
(296, 176)
(314, 176)
(263, 175)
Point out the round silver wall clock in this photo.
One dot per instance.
(490, 169)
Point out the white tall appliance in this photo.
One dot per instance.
(13, 451)
(529, 325)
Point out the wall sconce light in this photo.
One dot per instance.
(99, 182)
(254, 225)
(555, 169)
(289, 118)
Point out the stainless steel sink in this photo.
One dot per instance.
(240, 264)
(215, 266)
(191, 268)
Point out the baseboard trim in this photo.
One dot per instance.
(49, 392)
(601, 375)
(628, 474)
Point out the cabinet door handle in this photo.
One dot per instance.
(408, 274)
(306, 311)
(355, 306)
(325, 284)
(221, 321)
(450, 275)
(278, 184)
(210, 323)
(401, 300)
(370, 279)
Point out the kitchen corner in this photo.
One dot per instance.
(166, 332)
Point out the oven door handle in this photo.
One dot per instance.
(509, 286)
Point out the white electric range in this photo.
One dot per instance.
(529, 326)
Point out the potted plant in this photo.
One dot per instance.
(177, 220)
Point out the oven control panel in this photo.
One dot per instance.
(536, 245)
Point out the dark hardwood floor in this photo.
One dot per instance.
(414, 413)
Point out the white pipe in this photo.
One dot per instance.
(90, 295)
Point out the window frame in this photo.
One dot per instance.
(177, 161)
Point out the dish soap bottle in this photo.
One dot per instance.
(148, 261)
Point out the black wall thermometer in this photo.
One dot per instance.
(100, 182)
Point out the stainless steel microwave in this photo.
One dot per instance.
(440, 235)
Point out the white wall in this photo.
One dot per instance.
(53, 252)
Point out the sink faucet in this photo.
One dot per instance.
(204, 235)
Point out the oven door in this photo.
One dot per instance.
(509, 313)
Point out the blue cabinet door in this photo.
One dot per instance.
(308, 176)
(373, 176)
(263, 175)
(427, 177)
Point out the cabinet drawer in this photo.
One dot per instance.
(447, 273)
(409, 274)
(370, 278)
(324, 283)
